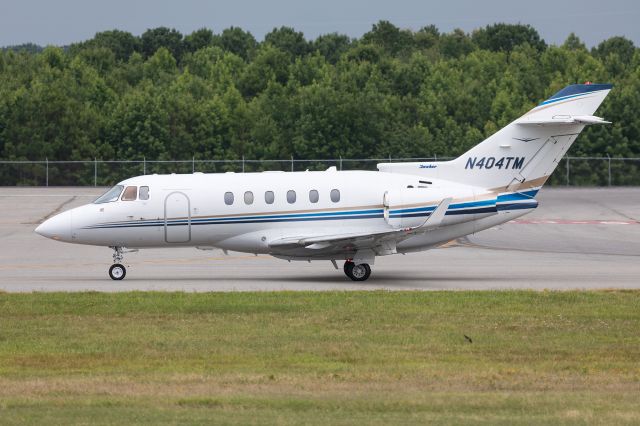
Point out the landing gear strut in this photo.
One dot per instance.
(358, 272)
(117, 270)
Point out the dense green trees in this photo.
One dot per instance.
(505, 37)
(164, 95)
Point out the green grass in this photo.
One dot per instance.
(318, 358)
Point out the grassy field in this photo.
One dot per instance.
(320, 358)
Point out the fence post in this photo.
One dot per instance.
(567, 170)
(46, 160)
(341, 163)
(193, 164)
(243, 164)
(95, 171)
(144, 165)
(609, 158)
(292, 163)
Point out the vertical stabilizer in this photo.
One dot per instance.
(524, 153)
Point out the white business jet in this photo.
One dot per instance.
(350, 216)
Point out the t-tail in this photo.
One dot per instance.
(522, 155)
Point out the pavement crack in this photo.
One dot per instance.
(53, 212)
(626, 216)
(465, 242)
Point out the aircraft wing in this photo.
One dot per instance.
(364, 239)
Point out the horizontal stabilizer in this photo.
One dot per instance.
(565, 119)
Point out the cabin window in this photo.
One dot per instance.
(143, 194)
(335, 195)
(110, 196)
(248, 197)
(291, 196)
(130, 193)
(269, 198)
(228, 198)
(314, 196)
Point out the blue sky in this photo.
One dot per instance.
(65, 21)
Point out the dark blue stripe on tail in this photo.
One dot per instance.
(578, 89)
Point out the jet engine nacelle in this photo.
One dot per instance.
(407, 207)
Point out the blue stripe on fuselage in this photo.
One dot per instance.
(220, 222)
(472, 207)
(525, 195)
(244, 218)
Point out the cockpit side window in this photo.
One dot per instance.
(110, 196)
(144, 193)
(130, 193)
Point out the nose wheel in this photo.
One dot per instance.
(117, 272)
(360, 272)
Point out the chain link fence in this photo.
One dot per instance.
(572, 171)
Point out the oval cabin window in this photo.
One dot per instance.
(335, 195)
(291, 196)
(314, 196)
(228, 198)
(269, 198)
(248, 197)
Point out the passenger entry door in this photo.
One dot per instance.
(177, 218)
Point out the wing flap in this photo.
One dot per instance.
(324, 241)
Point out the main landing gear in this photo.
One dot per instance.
(117, 270)
(358, 272)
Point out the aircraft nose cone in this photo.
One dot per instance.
(57, 228)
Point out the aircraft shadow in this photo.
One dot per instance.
(379, 280)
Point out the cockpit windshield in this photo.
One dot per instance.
(110, 196)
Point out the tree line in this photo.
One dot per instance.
(164, 95)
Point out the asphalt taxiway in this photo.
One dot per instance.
(578, 238)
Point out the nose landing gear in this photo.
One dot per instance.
(360, 272)
(117, 271)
